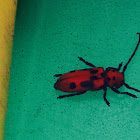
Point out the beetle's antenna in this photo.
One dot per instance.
(124, 68)
(127, 86)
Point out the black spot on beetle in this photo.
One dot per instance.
(72, 85)
(86, 84)
(102, 74)
(94, 78)
(72, 71)
(114, 77)
(93, 71)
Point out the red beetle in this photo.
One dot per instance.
(94, 79)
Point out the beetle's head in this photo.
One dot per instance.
(114, 78)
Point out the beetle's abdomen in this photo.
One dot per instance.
(74, 84)
(81, 80)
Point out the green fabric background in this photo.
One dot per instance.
(49, 36)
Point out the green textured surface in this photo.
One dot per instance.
(49, 36)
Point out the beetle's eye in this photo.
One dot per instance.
(114, 77)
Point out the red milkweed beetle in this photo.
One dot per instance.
(94, 79)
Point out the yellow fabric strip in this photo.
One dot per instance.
(7, 20)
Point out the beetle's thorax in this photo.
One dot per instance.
(113, 78)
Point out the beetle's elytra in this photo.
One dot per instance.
(95, 78)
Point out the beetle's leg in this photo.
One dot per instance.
(87, 63)
(69, 95)
(105, 90)
(127, 86)
(120, 65)
(115, 90)
(57, 75)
